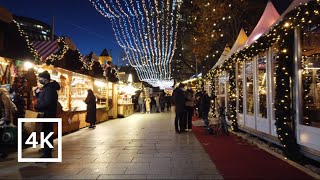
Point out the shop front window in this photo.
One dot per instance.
(222, 92)
(249, 87)
(310, 65)
(275, 57)
(240, 87)
(262, 85)
(79, 90)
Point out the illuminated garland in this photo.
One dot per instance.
(307, 75)
(232, 110)
(29, 45)
(61, 53)
(147, 31)
(213, 96)
(199, 85)
(282, 33)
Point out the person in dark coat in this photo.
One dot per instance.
(179, 100)
(47, 104)
(205, 106)
(198, 97)
(162, 101)
(168, 101)
(91, 116)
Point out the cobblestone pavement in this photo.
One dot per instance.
(142, 146)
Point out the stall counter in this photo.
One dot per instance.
(125, 109)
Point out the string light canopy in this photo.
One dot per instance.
(147, 31)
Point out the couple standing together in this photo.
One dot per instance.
(184, 103)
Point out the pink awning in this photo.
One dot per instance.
(45, 48)
(269, 16)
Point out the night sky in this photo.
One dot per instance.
(77, 19)
(80, 21)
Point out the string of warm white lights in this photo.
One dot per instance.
(146, 30)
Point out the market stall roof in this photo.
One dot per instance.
(268, 17)
(241, 39)
(293, 5)
(222, 57)
(45, 48)
(104, 53)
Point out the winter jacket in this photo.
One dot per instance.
(91, 116)
(179, 99)
(205, 103)
(47, 100)
(190, 99)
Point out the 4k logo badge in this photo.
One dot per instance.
(32, 140)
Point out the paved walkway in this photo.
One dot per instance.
(142, 146)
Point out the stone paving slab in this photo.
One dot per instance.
(142, 146)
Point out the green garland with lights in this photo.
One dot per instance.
(282, 33)
(232, 110)
(307, 75)
(213, 99)
(29, 44)
(199, 85)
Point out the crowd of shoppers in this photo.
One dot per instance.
(156, 103)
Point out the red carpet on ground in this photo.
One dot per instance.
(236, 159)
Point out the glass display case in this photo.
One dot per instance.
(79, 89)
(249, 87)
(100, 90)
(240, 87)
(310, 66)
(262, 85)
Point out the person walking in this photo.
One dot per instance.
(47, 104)
(157, 98)
(189, 107)
(168, 101)
(141, 102)
(148, 101)
(153, 104)
(162, 102)
(205, 106)
(179, 101)
(198, 97)
(91, 116)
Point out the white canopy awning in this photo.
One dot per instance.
(222, 57)
(269, 16)
(241, 39)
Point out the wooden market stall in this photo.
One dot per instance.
(72, 94)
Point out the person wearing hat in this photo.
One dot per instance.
(47, 104)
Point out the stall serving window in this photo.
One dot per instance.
(240, 87)
(310, 65)
(262, 85)
(100, 90)
(79, 90)
(249, 87)
(222, 88)
(62, 78)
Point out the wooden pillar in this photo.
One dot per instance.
(114, 100)
(69, 90)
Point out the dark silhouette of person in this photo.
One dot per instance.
(91, 116)
(47, 104)
(179, 101)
